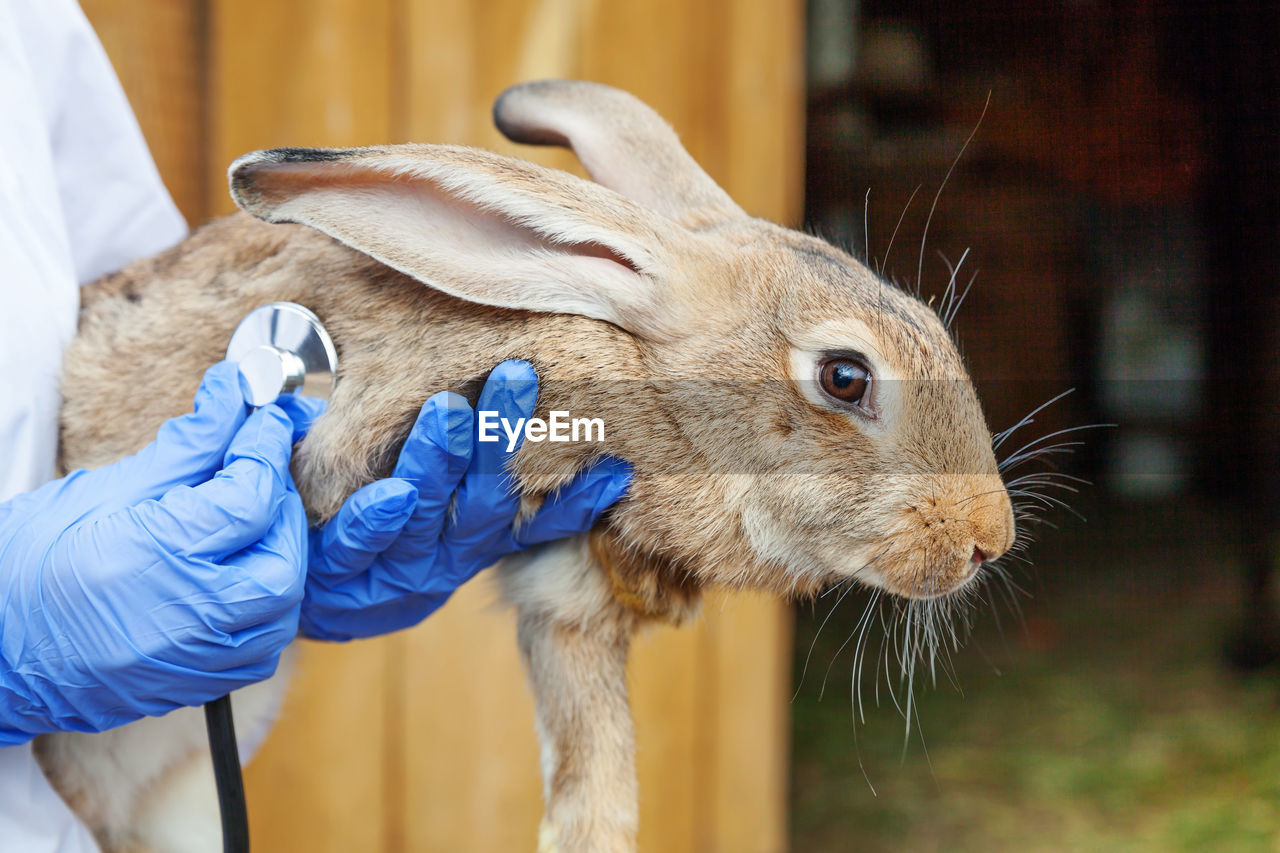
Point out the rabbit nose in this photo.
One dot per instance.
(994, 530)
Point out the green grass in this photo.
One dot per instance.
(1104, 721)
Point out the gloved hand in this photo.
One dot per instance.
(167, 579)
(396, 550)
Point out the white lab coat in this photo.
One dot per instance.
(79, 197)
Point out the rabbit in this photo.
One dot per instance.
(793, 420)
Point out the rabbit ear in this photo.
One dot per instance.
(621, 141)
(482, 227)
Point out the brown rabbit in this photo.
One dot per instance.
(793, 420)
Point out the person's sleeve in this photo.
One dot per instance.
(115, 205)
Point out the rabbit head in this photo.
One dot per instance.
(793, 420)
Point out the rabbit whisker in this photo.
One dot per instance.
(804, 670)
(1067, 431)
(1053, 479)
(949, 295)
(866, 226)
(1029, 418)
(980, 494)
(928, 220)
(849, 585)
(859, 655)
(860, 647)
(885, 261)
(955, 308)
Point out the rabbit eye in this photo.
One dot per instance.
(846, 379)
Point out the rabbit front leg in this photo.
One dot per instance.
(574, 638)
(579, 678)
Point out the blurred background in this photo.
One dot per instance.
(1117, 202)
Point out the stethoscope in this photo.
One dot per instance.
(281, 348)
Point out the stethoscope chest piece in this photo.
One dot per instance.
(283, 348)
(280, 348)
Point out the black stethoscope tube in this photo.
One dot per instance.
(226, 773)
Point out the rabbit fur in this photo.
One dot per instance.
(646, 298)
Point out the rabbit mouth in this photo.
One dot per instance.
(905, 569)
(926, 584)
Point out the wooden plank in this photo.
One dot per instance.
(461, 56)
(297, 73)
(763, 101)
(666, 679)
(748, 736)
(471, 760)
(156, 57)
(319, 783)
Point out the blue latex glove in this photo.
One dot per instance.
(396, 550)
(167, 579)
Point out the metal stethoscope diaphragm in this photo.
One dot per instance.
(283, 348)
